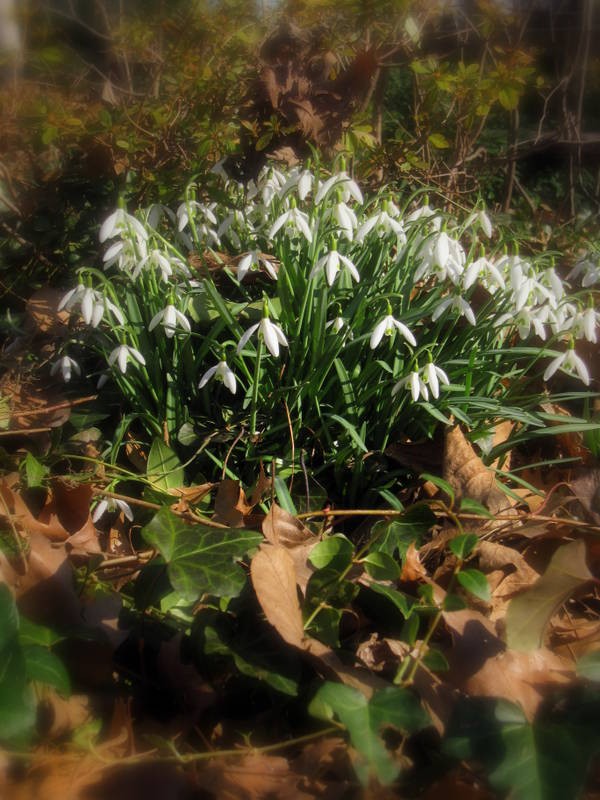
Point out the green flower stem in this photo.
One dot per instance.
(255, 385)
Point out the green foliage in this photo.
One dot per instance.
(365, 720)
(25, 659)
(200, 559)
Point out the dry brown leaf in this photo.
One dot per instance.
(511, 572)
(481, 666)
(183, 678)
(458, 784)
(274, 580)
(468, 475)
(256, 776)
(59, 716)
(586, 487)
(264, 484)
(188, 496)
(231, 505)
(282, 529)
(412, 569)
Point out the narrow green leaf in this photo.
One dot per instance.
(354, 434)
(164, 470)
(468, 506)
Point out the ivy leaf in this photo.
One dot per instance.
(365, 719)
(164, 470)
(475, 582)
(43, 666)
(200, 559)
(334, 552)
(381, 566)
(402, 602)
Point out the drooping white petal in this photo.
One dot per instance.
(207, 376)
(246, 336)
(432, 380)
(554, 365)
(107, 228)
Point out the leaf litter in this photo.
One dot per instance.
(520, 645)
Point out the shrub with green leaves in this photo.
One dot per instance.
(292, 317)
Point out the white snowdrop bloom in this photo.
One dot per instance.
(222, 372)
(491, 277)
(234, 221)
(253, 260)
(120, 223)
(589, 269)
(93, 305)
(272, 335)
(218, 169)
(170, 317)
(343, 182)
(166, 265)
(270, 184)
(332, 263)
(300, 179)
(126, 254)
(526, 318)
(155, 213)
(124, 353)
(202, 211)
(433, 375)
(482, 220)
(295, 219)
(570, 363)
(344, 218)
(425, 212)
(415, 384)
(383, 223)
(336, 324)
(112, 504)
(386, 327)
(66, 366)
(456, 303)
(585, 325)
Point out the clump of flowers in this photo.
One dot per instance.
(297, 313)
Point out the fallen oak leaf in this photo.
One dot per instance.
(231, 505)
(529, 613)
(283, 529)
(468, 475)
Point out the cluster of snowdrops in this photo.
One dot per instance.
(294, 314)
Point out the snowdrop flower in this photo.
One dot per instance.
(272, 334)
(294, 218)
(484, 222)
(585, 325)
(425, 212)
(270, 183)
(302, 180)
(570, 363)
(336, 324)
(223, 372)
(112, 504)
(525, 319)
(482, 266)
(342, 181)
(387, 326)
(120, 223)
(345, 218)
(169, 318)
(93, 305)
(442, 256)
(235, 218)
(166, 265)
(383, 222)
(432, 376)
(415, 384)
(126, 254)
(206, 212)
(589, 269)
(66, 366)
(332, 262)
(457, 303)
(155, 212)
(253, 260)
(124, 353)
